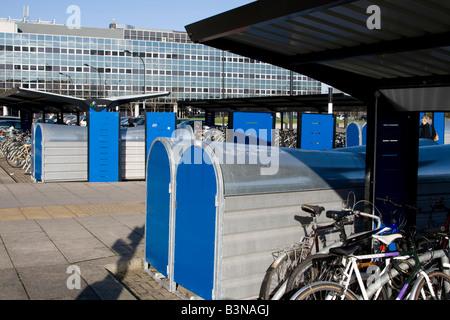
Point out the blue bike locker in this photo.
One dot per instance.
(162, 161)
(317, 131)
(36, 169)
(195, 225)
(59, 153)
(252, 127)
(354, 134)
(158, 208)
(158, 124)
(103, 146)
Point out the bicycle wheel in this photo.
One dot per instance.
(323, 290)
(319, 267)
(437, 289)
(278, 272)
(15, 160)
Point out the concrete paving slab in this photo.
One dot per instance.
(11, 214)
(11, 286)
(98, 221)
(5, 261)
(50, 283)
(22, 226)
(37, 259)
(59, 212)
(35, 213)
(60, 224)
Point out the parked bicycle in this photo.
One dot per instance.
(275, 281)
(402, 273)
(417, 280)
(16, 147)
(326, 266)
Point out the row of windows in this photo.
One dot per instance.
(156, 36)
(79, 64)
(113, 90)
(93, 52)
(181, 73)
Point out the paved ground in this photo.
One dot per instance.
(47, 230)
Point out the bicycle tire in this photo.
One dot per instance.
(440, 284)
(277, 274)
(308, 271)
(15, 160)
(324, 290)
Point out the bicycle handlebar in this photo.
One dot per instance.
(390, 201)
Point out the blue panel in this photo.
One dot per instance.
(37, 154)
(250, 124)
(317, 132)
(158, 209)
(159, 124)
(439, 126)
(103, 146)
(364, 135)
(353, 135)
(195, 226)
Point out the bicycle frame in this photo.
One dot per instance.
(373, 290)
(353, 269)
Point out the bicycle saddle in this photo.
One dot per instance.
(345, 250)
(312, 209)
(388, 238)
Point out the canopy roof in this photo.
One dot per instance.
(335, 42)
(38, 101)
(302, 103)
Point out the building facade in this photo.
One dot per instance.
(122, 60)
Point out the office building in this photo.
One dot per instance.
(124, 60)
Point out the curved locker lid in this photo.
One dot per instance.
(62, 133)
(252, 169)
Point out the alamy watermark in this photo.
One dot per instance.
(74, 19)
(374, 20)
(250, 147)
(74, 280)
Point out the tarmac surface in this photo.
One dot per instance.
(70, 241)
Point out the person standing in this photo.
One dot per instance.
(427, 130)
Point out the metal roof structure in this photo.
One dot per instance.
(393, 55)
(302, 103)
(39, 101)
(338, 43)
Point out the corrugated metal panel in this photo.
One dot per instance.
(256, 226)
(132, 157)
(64, 153)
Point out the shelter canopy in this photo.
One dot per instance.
(39, 101)
(301, 103)
(335, 42)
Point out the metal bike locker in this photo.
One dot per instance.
(316, 132)
(354, 134)
(103, 146)
(60, 153)
(163, 157)
(251, 127)
(132, 153)
(236, 204)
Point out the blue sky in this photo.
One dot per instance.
(160, 14)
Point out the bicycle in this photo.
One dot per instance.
(438, 242)
(277, 275)
(285, 260)
(325, 266)
(429, 283)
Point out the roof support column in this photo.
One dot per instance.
(392, 159)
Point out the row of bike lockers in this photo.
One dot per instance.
(105, 152)
(101, 152)
(217, 212)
